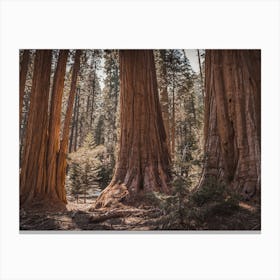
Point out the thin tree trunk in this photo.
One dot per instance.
(143, 160)
(191, 94)
(232, 119)
(81, 131)
(201, 77)
(73, 125)
(22, 119)
(173, 114)
(22, 79)
(61, 164)
(22, 137)
(54, 120)
(92, 111)
(77, 121)
(93, 93)
(33, 173)
(164, 97)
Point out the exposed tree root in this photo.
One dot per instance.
(117, 213)
(112, 196)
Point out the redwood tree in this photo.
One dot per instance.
(61, 156)
(54, 120)
(143, 158)
(33, 172)
(232, 119)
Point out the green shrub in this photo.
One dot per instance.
(90, 168)
(210, 191)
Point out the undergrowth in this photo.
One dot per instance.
(212, 206)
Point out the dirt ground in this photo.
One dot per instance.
(80, 216)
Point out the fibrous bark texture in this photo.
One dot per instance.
(232, 119)
(61, 157)
(143, 158)
(33, 172)
(54, 123)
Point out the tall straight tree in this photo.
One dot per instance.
(22, 78)
(143, 160)
(200, 72)
(164, 94)
(73, 126)
(232, 119)
(54, 120)
(33, 173)
(61, 164)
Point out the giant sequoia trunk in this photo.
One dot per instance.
(33, 172)
(54, 123)
(232, 119)
(143, 158)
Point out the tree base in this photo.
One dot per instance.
(45, 204)
(113, 196)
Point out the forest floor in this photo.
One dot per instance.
(81, 216)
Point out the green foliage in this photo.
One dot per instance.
(157, 199)
(106, 173)
(111, 102)
(210, 191)
(90, 170)
(183, 92)
(75, 179)
(174, 207)
(224, 208)
(99, 130)
(211, 207)
(89, 142)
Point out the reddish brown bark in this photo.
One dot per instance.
(232, 119)
(54, 121)
(61, 161)
(33, 173)
(22, 78)
(143, 159)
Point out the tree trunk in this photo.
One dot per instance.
(191, 92)
(77, 121)
(173, 113)
(73, 125)
(22, 118)
(22, 79)
(33, 173)
(164, 97)
(200, 72)
(61, 163)
(54, 120)
(232, 119)
(143, 160)
(93, 93)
